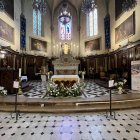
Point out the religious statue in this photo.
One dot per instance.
(65, 48)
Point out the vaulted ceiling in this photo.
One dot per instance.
(53, 4)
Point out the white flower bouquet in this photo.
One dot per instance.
(63, 91)
(3, 92)
(120, 85)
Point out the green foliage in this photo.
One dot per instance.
(61, 91)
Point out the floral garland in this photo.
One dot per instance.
(3, 92)
(61, 91)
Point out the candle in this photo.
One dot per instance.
(19, 72)
(48, 75)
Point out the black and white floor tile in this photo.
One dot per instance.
(80, 126)
(91, 90)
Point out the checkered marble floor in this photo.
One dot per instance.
(80, 126)
(91, 90)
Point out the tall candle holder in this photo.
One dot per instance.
(19, 89)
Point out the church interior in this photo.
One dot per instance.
(70, 69)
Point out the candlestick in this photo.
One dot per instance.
(19, 89)
(19, 72)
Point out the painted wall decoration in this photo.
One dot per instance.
(92, 45)
(107, 31)
(38, 45)
(22, 32)
(6, 31)
(125, 29)
(135, 75)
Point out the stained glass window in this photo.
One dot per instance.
(65, 31)
(36, 22)
(39, 23)
(92, 23)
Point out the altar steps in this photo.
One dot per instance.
(69, 105)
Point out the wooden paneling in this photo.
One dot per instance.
(137, 56)
(9, 67)
(6, 79)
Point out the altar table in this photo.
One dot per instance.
(65, 78)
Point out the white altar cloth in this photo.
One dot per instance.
(65, 78)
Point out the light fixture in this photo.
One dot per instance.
(88, 6)
(127, 5)
(40, 5)
(2, 5)
(64, 14)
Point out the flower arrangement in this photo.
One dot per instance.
(61, 91)
(3, 92)
(82, 73)
(120, 85)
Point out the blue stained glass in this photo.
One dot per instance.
(37, 22)
(34, 22)
(68, 31)
(65, 31)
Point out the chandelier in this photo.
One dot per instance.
(64, 14)
(40, 5)
(88, 6)
(2, 5)
(129, 4)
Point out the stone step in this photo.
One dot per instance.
(77, 107)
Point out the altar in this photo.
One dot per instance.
(65, 78)
(66, 64)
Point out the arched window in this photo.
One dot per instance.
(65, 31)
(92, 23)
(37, 22)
